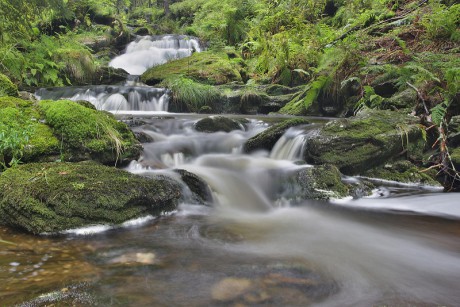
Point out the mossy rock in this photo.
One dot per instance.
(52, 197)
(320, 182)
(87, 134)
(403, 171)
(207, 67)
(455, 157)
(217, 123)
(268, 138)
(7, 88)
(370, 139)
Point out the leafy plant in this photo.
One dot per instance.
(15, 131)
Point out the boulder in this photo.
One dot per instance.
(268, 138)
(217, 123)
(52, 197)
(199, 189)
(365, 141)
(320, 182)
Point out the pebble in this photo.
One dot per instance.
(230, 288)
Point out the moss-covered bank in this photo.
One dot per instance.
(61, 130)
(51, 197)
(207, 67)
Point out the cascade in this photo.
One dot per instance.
(133, 96)
(112, 98)
(290, 146)
(149, 51)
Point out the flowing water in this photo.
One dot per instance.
(253, 244)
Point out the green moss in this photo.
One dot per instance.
(89, 134)
(403, 171)
(357, 144)
(51, 197)
(320, 182)
(7, 88)
(268, 138)
(207, 67)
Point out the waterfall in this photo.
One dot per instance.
(149, 51)
(290, 146)
(113, 98)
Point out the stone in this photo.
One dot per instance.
(53, 197)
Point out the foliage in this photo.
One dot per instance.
(7, 88)
(194, 96)
(443, 22)
(15, 131)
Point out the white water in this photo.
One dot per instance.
(149, 51)
(374, 263)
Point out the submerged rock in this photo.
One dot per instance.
(52, 197)
(268, 138)
(230, 288)
(201, 193)
(370, 139)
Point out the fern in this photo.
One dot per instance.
(438, 112)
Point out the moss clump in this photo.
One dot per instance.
(372, 137)
(7, 88)
(268, 138)
(89, 134)
(217, 123)
(51, 197)
(206, 67)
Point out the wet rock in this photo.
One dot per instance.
(230, 288)
(136, 258)
(52, 197)
(370, 139)
(268, 138)
(201, 193)
(217, 123)
(109, 75)
(318, 182)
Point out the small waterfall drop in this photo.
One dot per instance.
(149, 51)
(290, 146)
(113, 98)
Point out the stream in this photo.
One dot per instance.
(253, 244)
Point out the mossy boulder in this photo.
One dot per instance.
(403, 171)
(321, 182)
(7, 88)
(87, 134)
(217, 123)
(365, 141)
(52, 197)
(268, 138)
(207, 67)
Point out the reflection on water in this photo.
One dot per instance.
(251, 248)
